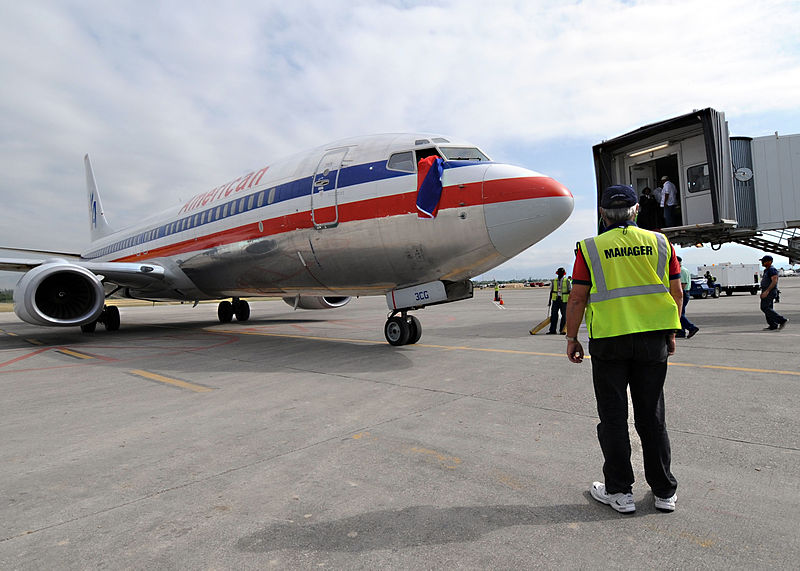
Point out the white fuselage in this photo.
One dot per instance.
(342, 220)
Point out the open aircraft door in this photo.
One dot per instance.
(324, 189)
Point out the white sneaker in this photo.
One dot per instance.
(623, 503)
(666, 504)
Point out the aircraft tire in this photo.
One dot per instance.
(242, 310)
(397, 331)
(225, 312)
(416, 330)
(89, 327)
(111, 318)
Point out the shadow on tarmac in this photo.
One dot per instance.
(414, 526)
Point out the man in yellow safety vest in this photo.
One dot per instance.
(559, 296)
(627, 282)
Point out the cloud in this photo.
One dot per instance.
(171, 99)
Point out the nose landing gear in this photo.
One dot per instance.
(402, 329)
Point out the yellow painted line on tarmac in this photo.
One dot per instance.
(488, 350)
(34, 341)
(373, 342)
(76, 354)
(170, 381)
(743, 369)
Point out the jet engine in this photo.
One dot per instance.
(59, 293)
(315, 302)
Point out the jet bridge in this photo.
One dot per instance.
(730, 189)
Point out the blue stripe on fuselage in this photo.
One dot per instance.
(349, 176)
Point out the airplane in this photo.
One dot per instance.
(341, 220)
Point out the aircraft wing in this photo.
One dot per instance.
(18, 264)
(127, 274)
(124, 274)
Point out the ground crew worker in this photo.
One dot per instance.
(628, 282)
(559, 295)
(769, 293)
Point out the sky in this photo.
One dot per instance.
(173, 98)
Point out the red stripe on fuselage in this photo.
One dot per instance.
(468, 194)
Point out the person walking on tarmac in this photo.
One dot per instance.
(688, 329)
(559, 295)
(769, 293)
(627, 281)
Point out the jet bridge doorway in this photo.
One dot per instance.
(648, 174)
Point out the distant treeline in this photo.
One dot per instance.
(6, 295)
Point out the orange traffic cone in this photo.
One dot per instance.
(501, 301)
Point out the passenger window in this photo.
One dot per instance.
(697, 178)
(271, 197)
(401, 162)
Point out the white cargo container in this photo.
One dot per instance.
(734, 277)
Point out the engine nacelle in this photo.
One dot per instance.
(59, 293)
(316, 302)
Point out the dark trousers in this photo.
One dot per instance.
(556, 307)
(638, 361)
(773, 317)
(685, 323)
(672, 216)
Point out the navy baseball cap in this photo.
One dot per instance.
(767, 257)
(619, 196)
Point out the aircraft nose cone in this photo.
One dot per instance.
(521, 207)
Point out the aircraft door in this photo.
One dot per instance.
(324, 190)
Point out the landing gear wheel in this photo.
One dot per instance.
(89, 327)
(110, 318)
(416, 330)
(225, 311)
(397, 331)
(753, 291)
(242, 310)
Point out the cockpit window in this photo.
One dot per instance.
(463, 154)
(401, 162)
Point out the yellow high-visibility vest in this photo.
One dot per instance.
(629, 268)
(563, 291)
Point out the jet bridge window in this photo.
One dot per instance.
(401, 162)
(697, 178)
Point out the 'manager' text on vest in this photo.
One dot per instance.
(629, 251)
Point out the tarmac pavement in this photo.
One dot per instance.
(301, 439)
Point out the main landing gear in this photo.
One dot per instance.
(402, 329)
(238, 307)
(109, 317)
